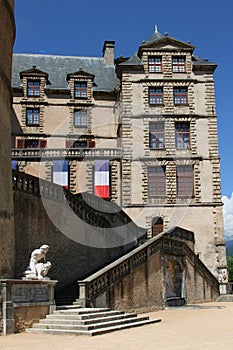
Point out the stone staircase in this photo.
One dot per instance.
(75, 320)
(225, 298)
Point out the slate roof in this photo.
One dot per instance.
(132, 61)
(155, 36)
(58, 67)
(203, 61)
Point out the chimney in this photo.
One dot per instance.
(108, 52)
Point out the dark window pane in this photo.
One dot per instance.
(80, 89)
(80, 118)
(33, 88)
(185, 181)
(156, 135)
(156, 181)
(182, 135)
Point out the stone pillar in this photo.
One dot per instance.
(7, 35)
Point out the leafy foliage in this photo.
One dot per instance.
(230, 268)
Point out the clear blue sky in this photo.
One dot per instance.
(80, 28)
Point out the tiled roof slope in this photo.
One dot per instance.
(58, 67)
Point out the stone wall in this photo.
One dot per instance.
(142, 290)
(26, 316)
(71, 260)
(7, 35)
(197, 287)
(1, 308)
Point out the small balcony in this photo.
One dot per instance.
(38, 154)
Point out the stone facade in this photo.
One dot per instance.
(7, 35)
(152, 116)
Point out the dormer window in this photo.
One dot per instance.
(33, 88)
(34, 81)
(80, 89)
(155, 64)
(81, 86)
(178, 64)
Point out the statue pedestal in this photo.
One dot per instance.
(25, 302)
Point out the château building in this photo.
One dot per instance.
(140, 131)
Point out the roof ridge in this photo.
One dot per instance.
(55, 55)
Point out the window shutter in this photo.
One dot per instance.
(69, 143)
(42, 143)
(20, 143)
(90, 144)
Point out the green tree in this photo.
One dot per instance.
(230, 268)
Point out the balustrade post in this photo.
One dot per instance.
(83, 293)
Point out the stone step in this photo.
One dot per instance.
(226, 298)
(65, 307)
(102, 324)
(71, 315)
(86, 321)
(95, 331)
(79, 310)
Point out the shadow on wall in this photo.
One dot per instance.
(71, 261)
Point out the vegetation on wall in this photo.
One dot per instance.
(230, 268)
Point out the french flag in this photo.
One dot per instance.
(61, 172)
(102, 188)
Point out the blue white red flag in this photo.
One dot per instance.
(102, 187)
(60, 172)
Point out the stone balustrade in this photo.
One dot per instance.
(35, 154)
(93, 210)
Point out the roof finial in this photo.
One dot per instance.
(156, 28)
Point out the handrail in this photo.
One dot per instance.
(91, 287)
(47, 190)
(91, 209)
(65, 153)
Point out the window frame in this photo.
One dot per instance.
(154, 93)
(28, 143)
(180, 97)
(157, 135)
(78, 118)
(185, 177)
(35, 117)
(21, 143)
(182, 135)
(180, 65)
(80, 90)
(156, 177)
(155, 66)
(35, 88)
(80, 144)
